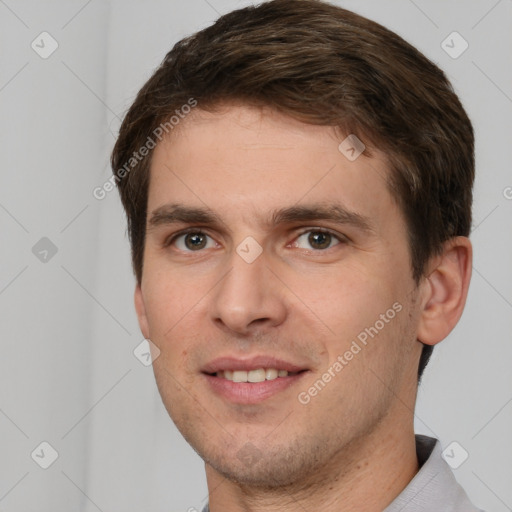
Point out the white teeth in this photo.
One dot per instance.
(239, 376)
(259, 375)
(256, 375)
(271, 374)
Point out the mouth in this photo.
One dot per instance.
(254, 376)
(251, 381)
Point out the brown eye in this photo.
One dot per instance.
(319, 240)
(195, 241)
(192, 241)
(316, 239)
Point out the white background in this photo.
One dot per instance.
(68, 375)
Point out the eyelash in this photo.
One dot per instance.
(341, 238)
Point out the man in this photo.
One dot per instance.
(298, 183)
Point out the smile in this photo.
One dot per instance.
(254, 376)
(253, 380)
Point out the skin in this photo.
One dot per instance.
(351, 447)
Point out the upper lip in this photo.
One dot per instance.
(250, 363)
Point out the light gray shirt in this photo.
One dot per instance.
(433, 488)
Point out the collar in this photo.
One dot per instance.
(434, 486)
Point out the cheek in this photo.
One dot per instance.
(348, 300)
(176, 309)
(169, 305)
(168, 301)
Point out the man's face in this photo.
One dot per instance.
(270, 283)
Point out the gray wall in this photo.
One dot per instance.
(68, 375)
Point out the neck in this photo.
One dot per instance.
(365, 476)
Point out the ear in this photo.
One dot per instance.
(140, 308)
(445, 290)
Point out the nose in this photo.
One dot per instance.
(249, 297)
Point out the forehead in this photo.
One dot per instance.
(254, 160)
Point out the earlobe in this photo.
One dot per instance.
(140, 308)
(445, 290)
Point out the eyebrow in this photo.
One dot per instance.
(178, 213)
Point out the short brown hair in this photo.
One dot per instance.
(323, 65)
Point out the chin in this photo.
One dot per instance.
(277, 467)
(262, 476)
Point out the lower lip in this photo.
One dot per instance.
(251, 392)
